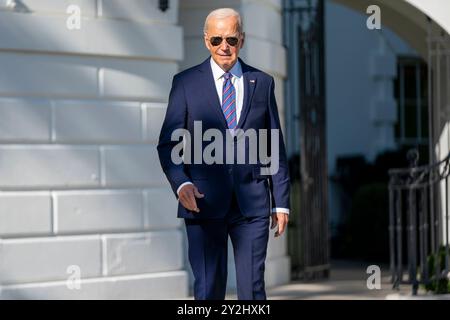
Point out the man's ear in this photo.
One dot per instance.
(243, 40)
(207, 44)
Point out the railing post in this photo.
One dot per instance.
(413, 158)
(399, 230)
(446, 236)
(423, 212)
(392, 229)
(412, 235)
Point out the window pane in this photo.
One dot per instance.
(414, 88)
(410, 121)
(424, 121)
(410, 81)
(424, 81)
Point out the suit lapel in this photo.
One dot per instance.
(249, 89)
(210, 90)
(208, 84)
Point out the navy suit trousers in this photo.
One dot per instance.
(208, 247)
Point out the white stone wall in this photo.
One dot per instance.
(263, 49)
(80, 180)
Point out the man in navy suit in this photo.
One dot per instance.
(222, 199)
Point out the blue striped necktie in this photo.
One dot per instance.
(229, 101)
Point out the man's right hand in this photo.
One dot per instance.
(187, 196)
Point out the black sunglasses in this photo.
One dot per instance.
(232, 41)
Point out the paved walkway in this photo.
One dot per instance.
(348, 280)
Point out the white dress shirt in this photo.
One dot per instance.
(238, 82)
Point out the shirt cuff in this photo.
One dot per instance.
(182, 185)
(282, 210)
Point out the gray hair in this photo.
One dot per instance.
(221, 14)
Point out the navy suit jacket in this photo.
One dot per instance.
(193, 97)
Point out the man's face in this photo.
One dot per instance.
(224, 54)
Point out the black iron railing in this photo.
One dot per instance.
(305, 38)
(418, 226)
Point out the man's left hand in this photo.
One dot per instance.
(281, 219)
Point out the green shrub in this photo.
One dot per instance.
(438, 285)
